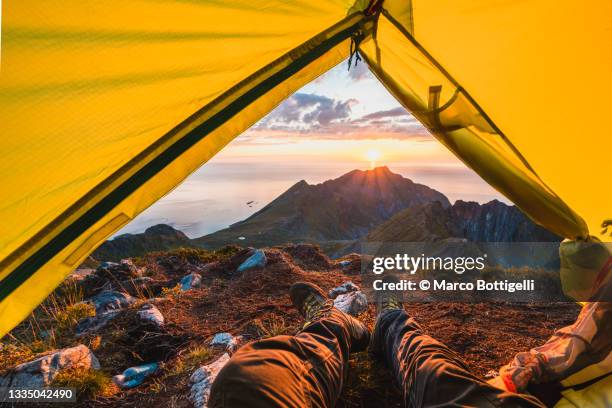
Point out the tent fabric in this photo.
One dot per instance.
(106, 106)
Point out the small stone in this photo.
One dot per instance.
(81, 274)
(257, 260)
(190, 281)
(202, 380)
(92, 324)
(108, 300)
(123, 270)
(346, 287)
(353, 303)
(40, 372)
(134, 376)
(226, 341)
(151, 314)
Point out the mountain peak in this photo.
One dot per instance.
(376, 171)
(380, 170)
(343, 208)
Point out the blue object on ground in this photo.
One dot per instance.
(190, 281)
(134, 376)
(257, 260)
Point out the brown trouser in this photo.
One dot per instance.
(308, 370)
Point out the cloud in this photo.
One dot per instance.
(318, 116)
(303, 111)
(390, 113)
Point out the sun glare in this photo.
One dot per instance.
(373, 156)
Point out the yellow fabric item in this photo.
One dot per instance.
(442, 106)
(597, 395)
(106, 106)
(88, 103)
(540, 70)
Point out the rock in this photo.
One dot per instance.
(346, 287)
(144, 285)
(351, 264)
(353, 303)
(191, 281)
(123, 270)
(108, 300)
(134, 376)
(81, 274)
(92, 324)
(152, 314)
(41, 372)
(257, 260)
(226, 341)
(108, 265)
(202, 380)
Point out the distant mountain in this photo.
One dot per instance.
(490, 222)
(339, 214)
(156, 238)
(345, 208)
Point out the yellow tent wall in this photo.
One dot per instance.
(106, 106)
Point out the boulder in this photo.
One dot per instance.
(40, 373)
(123, 270)
(134, 376)
(257, 260)
(191, 281)
(353, 303)
(346, 287)
(225, 341)
(108, 300)
(202, 380)
(94, 323)
(152, 314)
(351, 264)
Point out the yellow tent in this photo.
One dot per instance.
(105, 106)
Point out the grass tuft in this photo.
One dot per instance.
(88, 383)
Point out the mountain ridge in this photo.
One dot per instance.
(344, 208)
(374, 205)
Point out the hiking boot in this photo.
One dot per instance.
(313, 304)
(310, 300)
(388, 299)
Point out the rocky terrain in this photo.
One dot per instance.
(151, 318)
(339, 214)
(154, 330)
(490, 222)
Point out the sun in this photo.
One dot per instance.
(373, 156)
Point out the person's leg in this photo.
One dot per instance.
(306, 370)
(429, 373)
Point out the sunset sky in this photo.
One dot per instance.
(339, 122)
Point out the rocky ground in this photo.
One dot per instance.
(154, 330)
